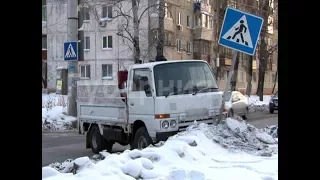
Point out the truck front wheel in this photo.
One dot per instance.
(97, 142)
(141, 139)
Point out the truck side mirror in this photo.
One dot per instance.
(144, 78)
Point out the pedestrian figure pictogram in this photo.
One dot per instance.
(240, 31)
(71, 51)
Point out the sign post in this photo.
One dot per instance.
(240, 31)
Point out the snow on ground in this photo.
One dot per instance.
(54, 116)
(257, 105)
(231, 150)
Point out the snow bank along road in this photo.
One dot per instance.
(57, 147)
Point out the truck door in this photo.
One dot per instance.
(140, 100)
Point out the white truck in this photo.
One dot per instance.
(151, 102)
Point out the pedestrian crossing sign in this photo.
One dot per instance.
(71, 51)
(240, 31)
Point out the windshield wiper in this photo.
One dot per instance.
(175, 91)
(204, 89)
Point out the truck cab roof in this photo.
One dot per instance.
(152, 64)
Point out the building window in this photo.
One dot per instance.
(167, 11)
(189, 47)
(107, 42)
(179, 45)
(106, 11)
(206, 21)
(87, 44)
(167, 38)
(44, 42)
(179, 18)
(44, 10)
(106, 71)
(197, 20)
(196, 46)
(44, 13)
(85, 71)
(188, 21)
(206, 47)
(86, 13)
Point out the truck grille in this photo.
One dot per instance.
(184, 124)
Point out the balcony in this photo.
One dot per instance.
(225, 59)
(199, 7)
(203, 33)
(168, 23)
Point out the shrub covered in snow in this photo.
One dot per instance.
(231, 150)
(54, 116)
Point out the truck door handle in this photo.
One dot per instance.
(131, 104)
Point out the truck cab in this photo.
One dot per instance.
(161, 99)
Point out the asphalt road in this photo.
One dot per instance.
(57, 146)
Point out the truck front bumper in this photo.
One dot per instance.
(163, 136)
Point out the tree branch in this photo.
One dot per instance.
(273, 49)
(121, 35)
(139, 19)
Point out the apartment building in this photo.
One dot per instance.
(104, 51)
(188, 29)
(191, 29)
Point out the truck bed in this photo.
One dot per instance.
(101, 103)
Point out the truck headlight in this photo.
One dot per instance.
(165, 124)
(173, 124)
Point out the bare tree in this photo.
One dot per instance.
(275, 80)
(131, 20)
(160, 44)
(264, 52)
(249, 76)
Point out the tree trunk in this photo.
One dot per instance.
(160, 45)
(249, 77)
(275, 81)
(261, 80)
(136, 45)
(235, 74)
(263, 51)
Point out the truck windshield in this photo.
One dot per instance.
(183, 78)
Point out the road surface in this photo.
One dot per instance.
(58, 147)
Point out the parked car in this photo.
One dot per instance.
(237, 104)
(273, 103)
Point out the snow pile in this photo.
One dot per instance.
(256, 105)
(197, 154)
(54, 116)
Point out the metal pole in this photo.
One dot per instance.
(73, 65)
(234, 57)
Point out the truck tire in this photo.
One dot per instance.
(97, 142)
(141, 139)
